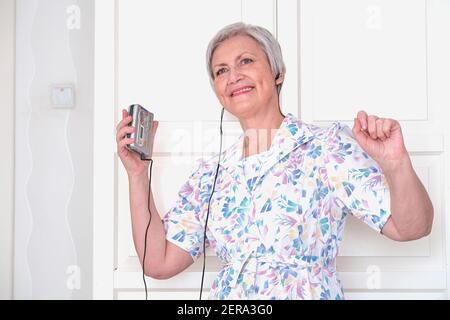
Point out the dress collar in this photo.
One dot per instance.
(291, 134)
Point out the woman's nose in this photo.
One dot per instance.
(234, 75)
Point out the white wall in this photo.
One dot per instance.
(7, 33)
(53, 182)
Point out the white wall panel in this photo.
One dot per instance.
(161, 53)
(362, 54)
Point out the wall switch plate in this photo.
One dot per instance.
(63, 96)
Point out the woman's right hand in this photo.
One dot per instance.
(131, 160)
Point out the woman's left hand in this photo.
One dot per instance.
(381, 139)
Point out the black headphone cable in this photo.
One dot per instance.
(148, 224)
(209, 203)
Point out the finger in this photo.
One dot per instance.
(125, 121)
(387, 125)
(122, 144)
(380, 133)
(155, 126)
(362, 116)
(357, 125)
(360, 135)
(372, 127)
(123, 132)
(357, 129)
(124, 114)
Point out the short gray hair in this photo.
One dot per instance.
(261, 35)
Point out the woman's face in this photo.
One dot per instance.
(243, 80)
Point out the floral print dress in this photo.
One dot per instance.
(277, 231)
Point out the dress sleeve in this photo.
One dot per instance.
(357, 184)
(182, 223)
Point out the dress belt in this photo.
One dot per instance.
(252, 258)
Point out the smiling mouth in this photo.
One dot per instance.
(242, 91)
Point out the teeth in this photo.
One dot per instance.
(243, 90)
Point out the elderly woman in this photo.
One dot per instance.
(283, 190)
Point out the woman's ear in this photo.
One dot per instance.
(279, 79)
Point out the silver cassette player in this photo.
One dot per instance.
(143, 123)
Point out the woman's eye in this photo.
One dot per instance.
(246, 61)
(220, 71)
